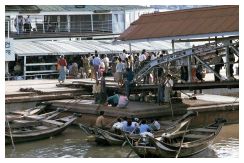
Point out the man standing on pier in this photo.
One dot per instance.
(96, 64)
(168, 88)
(62, 72)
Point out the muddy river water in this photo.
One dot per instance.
(73, 144)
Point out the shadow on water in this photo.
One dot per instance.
(72, 143)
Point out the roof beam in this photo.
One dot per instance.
(187, 37)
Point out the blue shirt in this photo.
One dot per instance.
(96, 61)
(144, 128)
(128, 128)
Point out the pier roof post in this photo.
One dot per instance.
(92, 23)
(25, 67)
(173, 45)
(227, 63)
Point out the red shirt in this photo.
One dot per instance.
(62, 62)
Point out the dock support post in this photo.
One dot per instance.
(173, 45)
(92, 23)
(227, 63)
(207, 66)
(25, 67)
(189, 69)
(68, 23)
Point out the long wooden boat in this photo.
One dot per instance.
(35, 130)
(178, 144)
(39, 108)
(48, 115)
(106, 137)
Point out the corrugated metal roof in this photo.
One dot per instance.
(197, 21)
(66, 8)
(63, 8)
(35, 48)
(22, 8)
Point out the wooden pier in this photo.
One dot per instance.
(73, 99)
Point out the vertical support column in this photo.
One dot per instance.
(227, 63)
(8, 28)
(25, 67)
(189, 69)
(59, 23)
(132, 66)
(173, 45)
(130, 47)
(68, 23)
(124, 20)
(43, 25)
(92, 23)
(6, 67)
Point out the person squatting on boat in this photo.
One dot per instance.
(100, 121)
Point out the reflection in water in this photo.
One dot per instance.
(227, 148)
(72, 143)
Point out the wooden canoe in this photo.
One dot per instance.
(106, 137)
(35, 130)
(178, 144)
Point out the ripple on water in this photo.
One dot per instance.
(228, 148)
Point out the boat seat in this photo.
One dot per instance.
(194, 136)
(204, 130)
(23, 123)
(41, 127)
(53, 122)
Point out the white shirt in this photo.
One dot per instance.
(123, 56)
(142, 57)
(135, 124)
(168, 83)
(156, 124)
(106, 61)
(153, 57)
(102, 65)
(118, 125)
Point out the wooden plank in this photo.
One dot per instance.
(53, 122)
(195, 136)
(204, 130)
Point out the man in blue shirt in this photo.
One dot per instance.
(129, 128)
(144, 127)
(96, 64)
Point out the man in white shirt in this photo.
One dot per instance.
(142, 57)
(123, 55)
(118, 125)
(106, 62)
(168, 88)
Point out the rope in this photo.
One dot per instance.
(182, 140)
(10, 132)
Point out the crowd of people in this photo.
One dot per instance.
(124, 66)
(129, 125)
(22, 24)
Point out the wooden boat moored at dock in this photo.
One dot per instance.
(39, 108)
(34, 130)
(179, 144)
(107, 137)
